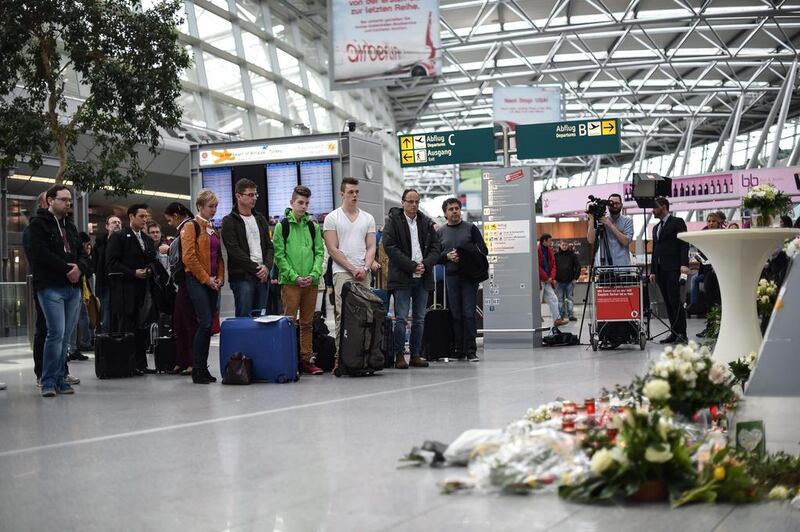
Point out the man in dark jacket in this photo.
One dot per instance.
(55, 250)
(568, 269)
(461, 286)
(113, 225)
(130, 253)
(670, 260)
(413, 248)
(245, 234)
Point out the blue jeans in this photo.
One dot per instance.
(462, 297)
(694, 292)
(60, 307)
(403, 299)
(82, 330)
(105, 311)
(204, 301)
(564, 293)
(248, 295)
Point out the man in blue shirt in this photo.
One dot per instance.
(619, 234)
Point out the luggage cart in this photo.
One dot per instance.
(617, 307)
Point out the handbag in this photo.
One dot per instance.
(238, 370)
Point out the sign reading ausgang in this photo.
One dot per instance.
(447, 147)
(567, 139)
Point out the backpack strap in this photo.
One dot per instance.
(285, 231)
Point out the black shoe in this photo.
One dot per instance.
(197, 378)
(472, 357)
(702, 334)
(573, 318)
(671, 339)
(148, 371)
(138, 373)
(681, 340)
(77, 355)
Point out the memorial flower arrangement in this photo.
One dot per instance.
(765, 201)
(742, 367)
(686, 379)
(723, 478)
(792, 247)
(648, 458)
(766, 295)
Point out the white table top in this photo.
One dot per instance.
(766, 233)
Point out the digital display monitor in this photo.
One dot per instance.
(218, 181)
(318, 177)
(281, 180)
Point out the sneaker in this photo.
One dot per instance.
(472, 357)
(573, 318)
(38, 383)
(48, 391)
(77, 355)
(65, 389)
(418, 362)
(72, 380)
(309, 368)
(559, 322)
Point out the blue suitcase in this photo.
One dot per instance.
(272, 346)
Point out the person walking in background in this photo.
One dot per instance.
(568, 269)
(205, 275)
(129, 253)
(184, 319)
(412, 245)
(299, 253)
(462, 291)
(113, 225)
(350, 239)
(547, 277)
(245, 234)
(55, 250)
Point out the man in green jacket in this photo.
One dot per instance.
(299, 254)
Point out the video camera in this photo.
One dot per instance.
(596, 207)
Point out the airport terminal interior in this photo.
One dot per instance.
(551, 261)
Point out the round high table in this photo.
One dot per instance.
(738, 256)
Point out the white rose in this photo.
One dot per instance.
(663, 428)
(601, 460)
(619, 456)
(658, 455)
(656, 390)
(718, 374)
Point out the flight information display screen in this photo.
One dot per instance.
(218, 181)
(318, 177)
(281, 180)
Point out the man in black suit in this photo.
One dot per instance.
(130, 253)
(670, 260)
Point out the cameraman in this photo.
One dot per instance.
(619, 234)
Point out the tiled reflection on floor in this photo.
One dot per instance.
(159, 453)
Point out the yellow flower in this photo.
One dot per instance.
(601, 460)
(778, 493)
(719, 473)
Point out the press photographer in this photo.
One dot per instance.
(617, 231)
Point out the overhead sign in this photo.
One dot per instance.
(383, 39)
(526, 105)
(447, 147)
(568, 139)
(268, 152)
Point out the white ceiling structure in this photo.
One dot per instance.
(676, 72)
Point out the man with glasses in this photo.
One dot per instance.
(55, 249)
(619, 234)
(245, 234)
(413, 248)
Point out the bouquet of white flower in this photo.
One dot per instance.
(766, 294)
(792, 247)
(686, 379)
(766, 201)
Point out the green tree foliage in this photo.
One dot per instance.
(127, 58)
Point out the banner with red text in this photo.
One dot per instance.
(383, 40)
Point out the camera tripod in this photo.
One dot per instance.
(600, 241)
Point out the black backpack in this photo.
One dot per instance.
(285, 231)
(556, 338)
(177, 271)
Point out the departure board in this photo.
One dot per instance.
(281, 180)
(218, 181)
(318, 177)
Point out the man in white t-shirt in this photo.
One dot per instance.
(349, 236)
(245, 234)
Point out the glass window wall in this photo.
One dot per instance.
(255, 50)
(232, 119)
(215, 30)
(265, 93)
(223, 76)
(250, 11)
(289, 67)
(298, 108)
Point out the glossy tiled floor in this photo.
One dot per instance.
(158, 453)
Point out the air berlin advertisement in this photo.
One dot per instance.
(383, 40)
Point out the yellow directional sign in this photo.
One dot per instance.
(447, 147)
(609, 127)
(407, 143)
(407, 156)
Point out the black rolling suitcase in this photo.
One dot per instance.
(360, 332)
(163, 343)
(324, 344)
(437, 335)
(115, 353)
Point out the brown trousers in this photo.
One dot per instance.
(304, 300)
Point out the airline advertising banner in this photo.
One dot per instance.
(526, 105)
(383, 40)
